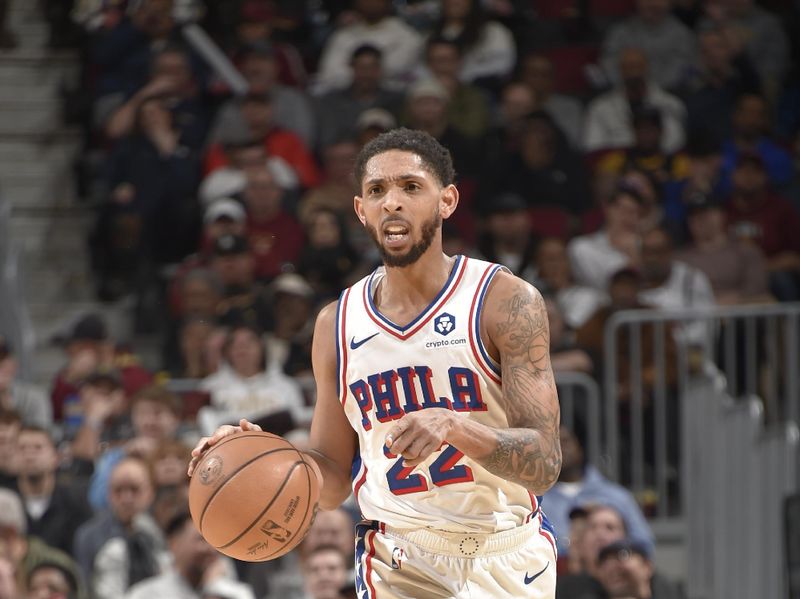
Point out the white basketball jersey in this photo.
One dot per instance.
(436, 360)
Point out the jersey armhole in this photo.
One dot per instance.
(490, 366)
(341, 346)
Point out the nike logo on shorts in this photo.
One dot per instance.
(530, 579)
(356, 344)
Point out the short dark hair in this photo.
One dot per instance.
(366, 50)
(160, 395)
(435, 157)
(176, 524)
(8, 416)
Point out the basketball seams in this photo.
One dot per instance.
(230, 476)
(266, 509)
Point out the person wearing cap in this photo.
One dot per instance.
(427, 103)
(258, 112)
(580, 484)
(625, 571)
(468, 109)
(27, 399)
(737, 270)
(371, 23)
(274, 235)
(507, 238)
(243, 299)
(52, 580)
(197, 570)
(608, 117)
(24, 551)
(289, 345)
(759, 216)
(596, 256)
(260, 63)
(338, 111)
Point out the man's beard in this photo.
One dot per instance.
(411, 256)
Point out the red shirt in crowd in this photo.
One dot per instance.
(273, 243)
(278, 142)
(771, 224)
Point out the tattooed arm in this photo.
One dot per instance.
(515, 330)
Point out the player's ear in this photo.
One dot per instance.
(358, 206)
(448, 201)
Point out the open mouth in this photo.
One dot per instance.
(395, 233)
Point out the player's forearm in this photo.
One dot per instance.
(525, 456)
(335, 484)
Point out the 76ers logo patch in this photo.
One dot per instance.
(444, 323)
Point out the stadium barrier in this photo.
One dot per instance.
(579, 395)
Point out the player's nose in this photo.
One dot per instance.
(393, 201)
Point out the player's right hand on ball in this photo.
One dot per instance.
(226, 430)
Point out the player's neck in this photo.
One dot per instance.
(418, 283)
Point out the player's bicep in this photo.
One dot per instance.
(516, 325)
(331, 433)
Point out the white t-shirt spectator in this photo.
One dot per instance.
(594, 260)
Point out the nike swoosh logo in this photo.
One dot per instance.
(530, 579)
(356, 344)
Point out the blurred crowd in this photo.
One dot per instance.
(615, 153)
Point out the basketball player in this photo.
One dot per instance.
(436, 403)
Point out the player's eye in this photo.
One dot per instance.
(413, 187)
(374, 190)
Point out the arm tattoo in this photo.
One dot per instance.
(528, 453)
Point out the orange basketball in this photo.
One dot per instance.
(253, 496)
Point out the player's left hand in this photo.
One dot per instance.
(418, 434)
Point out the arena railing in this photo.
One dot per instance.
(579, 396)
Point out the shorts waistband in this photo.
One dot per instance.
(470, 544)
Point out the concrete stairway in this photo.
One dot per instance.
(37, 152)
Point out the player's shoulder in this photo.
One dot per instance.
(509, 293)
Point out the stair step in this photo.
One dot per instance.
(24, 73)
(37, 148)
(21, 116)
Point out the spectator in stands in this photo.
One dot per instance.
(256, 28)
(668, 44)
(624, 290)
(581, 484)
(260, 68)
(517, 101)
(625, 569)
(554, 277)
(751, 135)
(245, 386)
(197, 571)
(604, 525)
(545, 171)
(537, 72)
(243, 300)
(10, 425)
(244, 155)
(338, 111)
(24, 551)
(608, 118)
(487, 46)
(258, 112)
(155, 417)
(427, 104)
(646, 153)
(101, 417)
(274, 236)
(167, 464)
(122, 546)
(374, 25)
(52, 580)
(468, 109)
(325, 572)
(153, 175)
(123, 49)
(172, 81)
(759, 216)
(54, 509)
(758, 32)
(328, 260)
(595, 257)
(507, 237)
(668, 284)
(191, 360)
(711, 86)
(737, 271)
(26, 399)
(289, 345)
(372, 123)
(565, 355)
